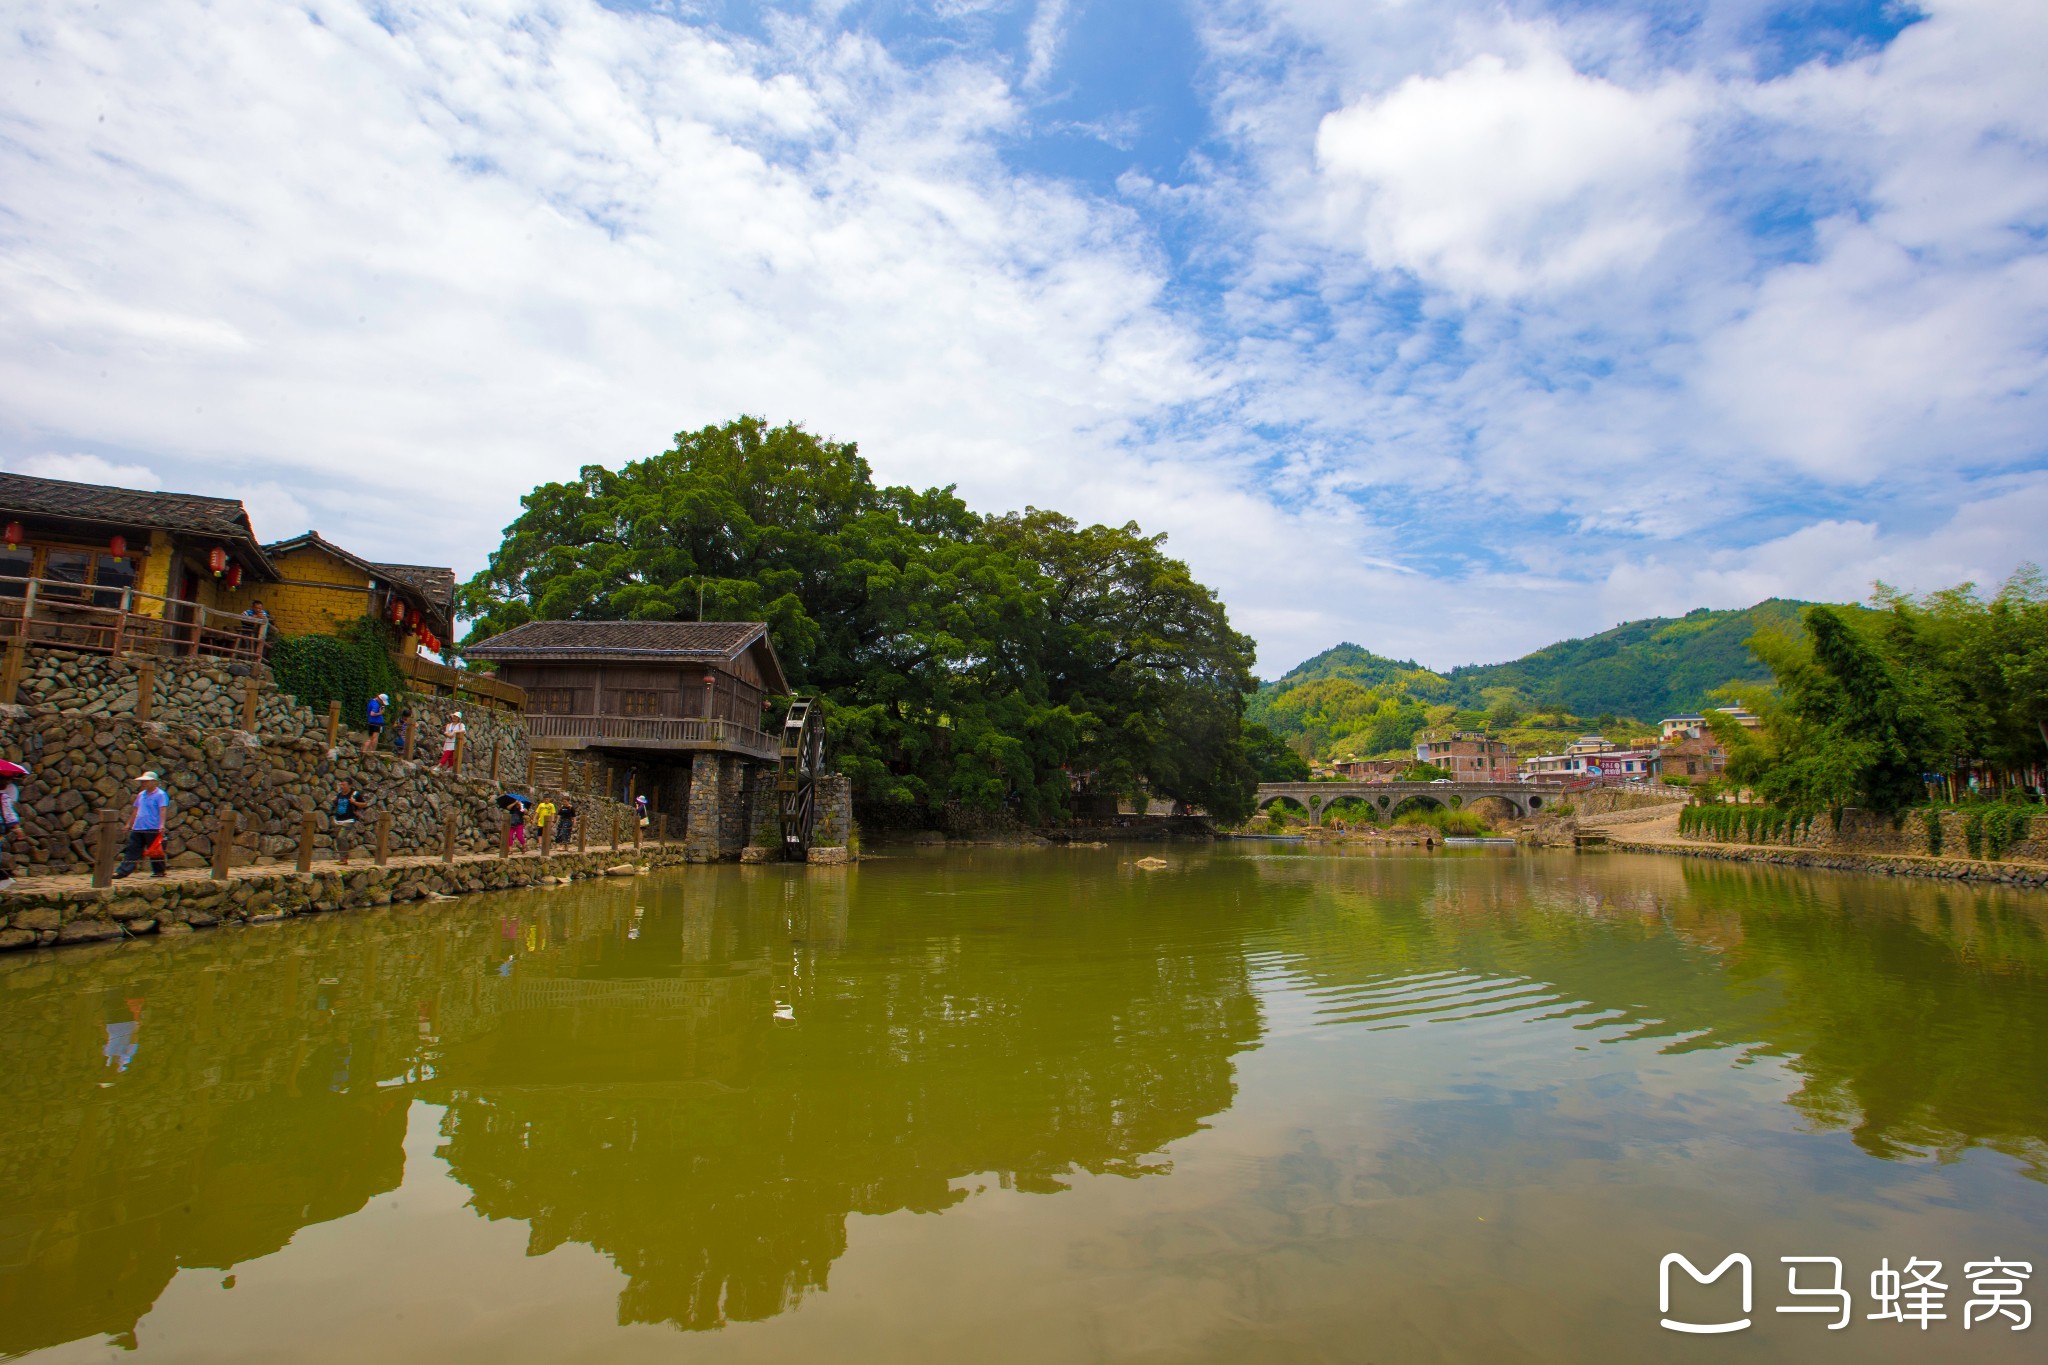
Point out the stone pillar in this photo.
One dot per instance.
(705, 810)
(832, 834)
(764, 816)
(732, 822)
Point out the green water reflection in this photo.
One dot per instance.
(1312, 1073)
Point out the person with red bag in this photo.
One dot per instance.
(146, 828)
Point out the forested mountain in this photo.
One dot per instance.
(1350, 702)
(1646, 669)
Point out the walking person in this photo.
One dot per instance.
(515, 828)
(543, 816)
(565, 820)
(146, 828)
(401, 733)
(450, 732)
(10, 826)
(376, 721)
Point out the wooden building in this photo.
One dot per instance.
(642, 685)
(92, 567)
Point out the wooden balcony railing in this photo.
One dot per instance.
(687, 732)
(424, 675)
(44, 613)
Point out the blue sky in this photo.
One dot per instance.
(1450, 329)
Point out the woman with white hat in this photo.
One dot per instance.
(449, 734)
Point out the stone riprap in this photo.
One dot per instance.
(499, 732)
(179, 904)
(201, 692)
(81, 764)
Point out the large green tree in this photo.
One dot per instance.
(992, 663)
(1868, 703)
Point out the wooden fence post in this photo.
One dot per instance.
(582, 836)
(103, 848)
(505, 844)
(145, 689)
(224, 845)
(249, 705)
(496, 747)
(615, 831)
(636, 832)
(461, 747)
(383, 838)
(448, 839)
(17, 659)
(412, 736)
(333, 722)
(307, 824)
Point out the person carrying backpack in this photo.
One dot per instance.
(348, 805)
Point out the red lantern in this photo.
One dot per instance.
(397, 612)
(234, 574)
(13, 533)
(412, 621)
(118, 546)
(217, 560)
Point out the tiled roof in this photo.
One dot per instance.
(437, 585)
(190, 513)
(582, 639)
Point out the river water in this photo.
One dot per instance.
(1265, 1105)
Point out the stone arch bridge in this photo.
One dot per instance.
(1387, 797)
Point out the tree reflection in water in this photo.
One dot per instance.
(702, 1086)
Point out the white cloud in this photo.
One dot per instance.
(1472, 345)
(407, 263)
(1505, 176)
(1042, 41)
(82, 468)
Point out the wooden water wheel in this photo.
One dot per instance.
(796, 776)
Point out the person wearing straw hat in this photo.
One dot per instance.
(146, 828)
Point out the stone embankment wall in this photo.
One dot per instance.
(83, 749)
(180, 905)
(2033, 874)
(1866, 832)
(502, 733)
(1614, 800)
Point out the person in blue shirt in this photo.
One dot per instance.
(146, 828)
(377, 705)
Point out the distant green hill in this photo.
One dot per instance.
(1645, 669)
(1350, 701)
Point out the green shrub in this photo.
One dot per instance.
(349, 668)
(2004, 826)
(1932, 818)
(1459, 822)
(1749, 824)
(1973, 833)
